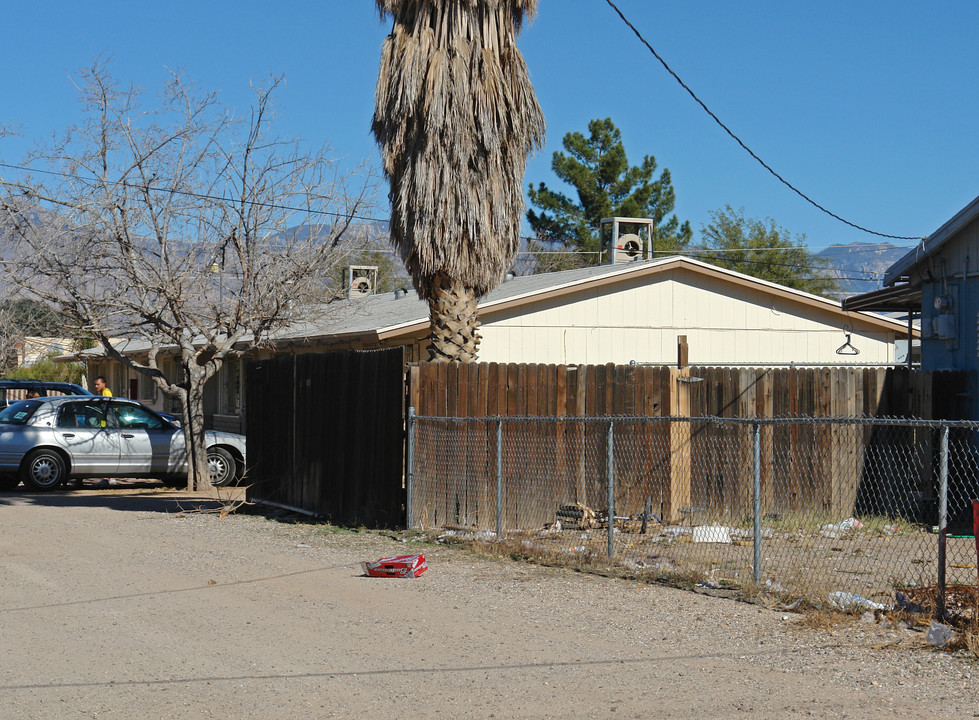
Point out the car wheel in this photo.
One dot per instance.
(43, 470)
(8, 482)
(220, 466)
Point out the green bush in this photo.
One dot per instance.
(48, 369)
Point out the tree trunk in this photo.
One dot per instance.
(454, 334)
(198, 477)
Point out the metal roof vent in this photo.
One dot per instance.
(625, 239)
(360, 280)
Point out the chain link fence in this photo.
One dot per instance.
(853, 511)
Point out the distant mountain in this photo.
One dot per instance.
(860, 267)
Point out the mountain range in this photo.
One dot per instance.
(860, 267)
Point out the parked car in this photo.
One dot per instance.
(46, 441)
(22, 388)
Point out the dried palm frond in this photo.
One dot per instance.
(456, 117)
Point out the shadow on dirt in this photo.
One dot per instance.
(128, 496)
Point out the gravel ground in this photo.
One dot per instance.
(114, 604)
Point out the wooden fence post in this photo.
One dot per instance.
(680, 436)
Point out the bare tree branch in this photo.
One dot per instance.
(178, 225)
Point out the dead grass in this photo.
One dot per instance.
(827, 619)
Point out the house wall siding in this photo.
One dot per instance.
(951, 272)
(640, 320)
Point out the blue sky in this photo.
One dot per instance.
(867, 107)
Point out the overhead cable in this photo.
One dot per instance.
(738, 140)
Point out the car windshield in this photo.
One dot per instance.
(18, 413)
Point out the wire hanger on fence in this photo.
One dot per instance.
(847, 347)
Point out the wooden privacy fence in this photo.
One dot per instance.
(678, 467)
(325, 434)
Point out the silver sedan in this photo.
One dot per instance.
(46, 441)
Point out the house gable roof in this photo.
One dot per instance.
(383, 317)
(932, 243)
(389, 316)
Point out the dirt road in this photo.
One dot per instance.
(115, 605)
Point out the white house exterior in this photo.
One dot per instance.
(631, 312)
(635, 312)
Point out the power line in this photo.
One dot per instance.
(739, 141)
(186, 193)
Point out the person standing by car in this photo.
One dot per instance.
(100, 389)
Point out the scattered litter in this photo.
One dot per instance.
(938, 634)
(676, 531)
(794, 604)
(775, 587)
(462, 529)
(708, 585)
(578, 516)
(840, 528)
(302, 545)
(903, 603)
(711, 534)
(402, 566)
(851, 601)
(868, 617)
(766, 532)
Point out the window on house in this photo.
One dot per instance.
(119, 386)
(230, 394)
(147, 388)
(172, 373)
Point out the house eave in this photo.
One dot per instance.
(932, 243)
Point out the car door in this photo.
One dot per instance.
(149, 444)
(85, 431)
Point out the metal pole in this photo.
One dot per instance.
(499, 479)
(410, 470)
(975, 534)
(942, 520)
(756, 493)
(910, 335)
(611, 492)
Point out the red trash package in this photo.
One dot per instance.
(402, 566)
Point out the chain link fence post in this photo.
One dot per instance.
(611, 491)
(942, 519)
(410, 470)
(499, 479)
(756, 498)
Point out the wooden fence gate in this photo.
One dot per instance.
(326, 435)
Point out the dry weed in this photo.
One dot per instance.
(826, 618)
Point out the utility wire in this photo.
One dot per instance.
(186, 193)
(738, 140)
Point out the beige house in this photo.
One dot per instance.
(618, 313)
(628, 312)
(32, 349)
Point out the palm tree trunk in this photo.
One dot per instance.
(454, 323)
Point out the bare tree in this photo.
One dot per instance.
(180, 226)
